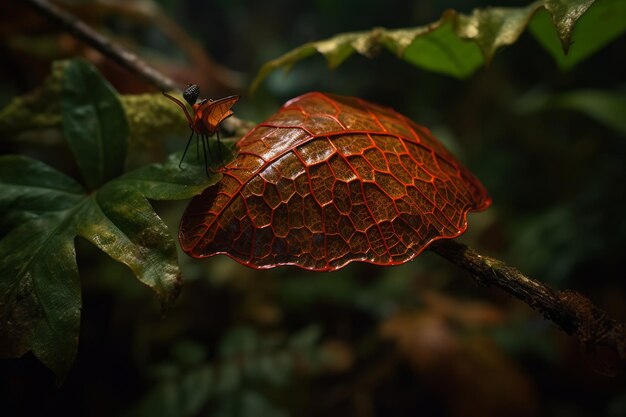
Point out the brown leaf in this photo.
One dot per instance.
(330, 180)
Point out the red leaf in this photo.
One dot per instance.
(330, 180)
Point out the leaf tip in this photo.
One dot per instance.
(167, 298)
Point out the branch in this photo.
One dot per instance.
(571, 311)
(110, 49)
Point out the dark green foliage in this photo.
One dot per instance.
(94, 124)
(248, 364)
(44, 210)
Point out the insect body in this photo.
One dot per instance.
(207, 116)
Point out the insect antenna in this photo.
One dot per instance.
(182, 106)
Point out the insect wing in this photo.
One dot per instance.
(217, 111)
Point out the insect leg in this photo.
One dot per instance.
(197, 149)
(208, 145)
(186, 147)
(205, 140)
(219, 148)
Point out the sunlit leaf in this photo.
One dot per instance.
(586, 39)
(456, 44)
(444, 52)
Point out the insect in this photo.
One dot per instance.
(207, 116)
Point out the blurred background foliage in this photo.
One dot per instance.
(419, 339)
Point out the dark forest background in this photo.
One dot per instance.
(418, 339)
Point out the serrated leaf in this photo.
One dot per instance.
(45, 210)
(610, 15)
(456, 44)
(94, 123)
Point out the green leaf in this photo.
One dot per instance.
(23, 199)
(169, 182)
(444, 52)
(187, 384)
(43, 211)
(606, 107)
(456, 44)
(183, 394)
(39, 290)
(248, 403)
(306, 338)
(610, 15)
(94, 123)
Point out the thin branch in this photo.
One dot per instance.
(147, 12)
(110, 49)
(571, 311)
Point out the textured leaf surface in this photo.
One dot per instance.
(329, 180)
(456, 44)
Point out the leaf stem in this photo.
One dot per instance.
(571, 311)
